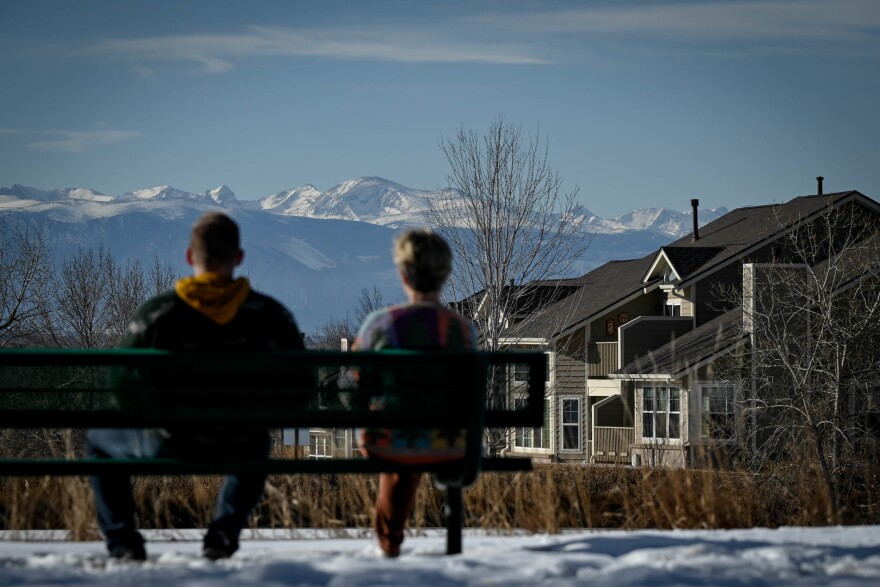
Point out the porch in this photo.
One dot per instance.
(602, 359)
(612, 444)
(612, 430)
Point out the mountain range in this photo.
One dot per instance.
(312, 250)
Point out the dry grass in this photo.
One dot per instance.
(549, 499)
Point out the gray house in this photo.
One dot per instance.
(634, 346)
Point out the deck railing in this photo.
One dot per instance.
(602, 358)
(612, 444)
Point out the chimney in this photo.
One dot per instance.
(694, 204)
(819, 184)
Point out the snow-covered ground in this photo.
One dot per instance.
(788, 556)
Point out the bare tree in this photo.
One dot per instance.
(329, 335)
(95, 297)
(515, 235)
(82, 317)
(25, 271)
(127, 290)
(368, 302)
(508, 223)
(810, 374)
(161, 276)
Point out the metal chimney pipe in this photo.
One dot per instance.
(819, 182)
(694, 204)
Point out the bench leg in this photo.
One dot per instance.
(454, 519)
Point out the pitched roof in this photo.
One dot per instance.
(686, 260)
(741, 229)
(688, 351)
(721, 241)
(522, 299)
(598, 290)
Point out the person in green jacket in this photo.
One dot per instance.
(210, 311)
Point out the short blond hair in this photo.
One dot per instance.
(424, 258)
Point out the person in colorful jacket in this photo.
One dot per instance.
(210, 311)
(424, 261)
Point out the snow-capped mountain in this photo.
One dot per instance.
(665, 221)
(312, 250)
(386, 203)
(295, 202)
(596, 224)
(366, 199)
(221, 195)
(34, 195)
(315, 267)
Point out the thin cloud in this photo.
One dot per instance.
(144, 72)
(80, 141)
(220, 53)
(770, 20)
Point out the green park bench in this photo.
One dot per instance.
(78, 389)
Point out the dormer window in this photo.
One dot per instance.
(669, 275)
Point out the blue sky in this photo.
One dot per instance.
(643, 103)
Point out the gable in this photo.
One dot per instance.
(673, 264)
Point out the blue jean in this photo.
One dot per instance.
(238, 495)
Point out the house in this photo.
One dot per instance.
(635, 347)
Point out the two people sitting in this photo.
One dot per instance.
(212, 311)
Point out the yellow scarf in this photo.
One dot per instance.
(218, 298)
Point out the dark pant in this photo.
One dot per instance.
(238, 495)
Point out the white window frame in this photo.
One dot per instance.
(549, 374)
(668, 413)
(578, 426)
(523, 435)
(342, 442)
(524, 438)
(703, 386)
(320, 445)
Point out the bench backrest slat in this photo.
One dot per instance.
(268, 389)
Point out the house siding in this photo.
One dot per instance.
(570, 381)
(709, 304)
(650, 304)
(571, 364)
(710, 299)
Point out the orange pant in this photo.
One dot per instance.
(394, 504)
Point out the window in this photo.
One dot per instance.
(661, 412)
(340, 442)
(673, 308)
(571, 423)
(521, 370)
(717, 410)
(319, 446)
(533, 437)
